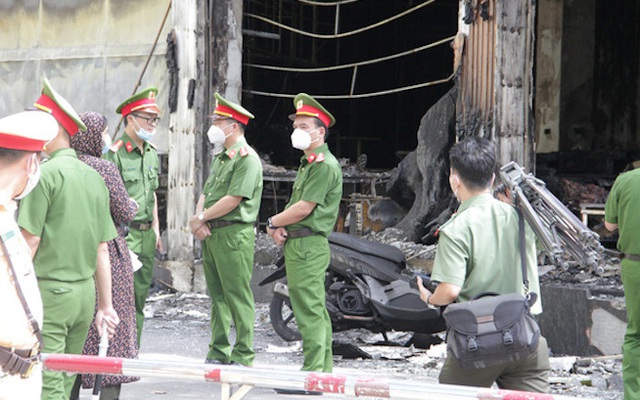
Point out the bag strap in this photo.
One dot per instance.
(523, 255)
(23, 300)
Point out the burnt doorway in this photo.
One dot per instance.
(383, 126)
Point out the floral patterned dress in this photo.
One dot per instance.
(88, 145)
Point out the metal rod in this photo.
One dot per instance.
(146, 64)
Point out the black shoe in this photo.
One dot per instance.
(298, 392)
(237, 364)
(213, 361)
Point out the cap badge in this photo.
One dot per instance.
(299, 104)
(152, 95)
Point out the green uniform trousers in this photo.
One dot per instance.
(306, 262)
(228, 265)
(530, 374)
(143, 243)
(68, 313)
(631, 347)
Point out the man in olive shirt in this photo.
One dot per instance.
(479, 252)
(225, 216)
(137, 161)
(621, 213)
(67, 224)
(303, 228)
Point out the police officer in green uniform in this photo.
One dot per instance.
(22, 137)
(224, 220)
(67, 224)
(137, 161)
(478, 252)
(303, 228)
(621, 213)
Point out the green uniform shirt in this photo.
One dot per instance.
(236, 172)
(319, 180)
(479, 250)
(69, 211)
(139, 171)
(622, 209)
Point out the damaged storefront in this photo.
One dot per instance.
(556, 84)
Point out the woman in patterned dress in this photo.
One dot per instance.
(90, 146)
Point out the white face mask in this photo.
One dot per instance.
(107, 142)
(216, 135)
(32, 180)
(143, 134)
(454, 181)
(301, 139)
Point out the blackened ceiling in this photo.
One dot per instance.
(383, 127)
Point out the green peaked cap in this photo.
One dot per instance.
(51, 102)
(308, 106)
(141, 101)
(227, 109)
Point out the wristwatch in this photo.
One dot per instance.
(201, 217)
(431, 306)
(270, 224)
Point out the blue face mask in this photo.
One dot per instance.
(142, 133)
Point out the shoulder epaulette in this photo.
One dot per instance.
(116, 145)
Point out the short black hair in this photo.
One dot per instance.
(474, 159)
(320, 124)
(10, 156)
(243, 127)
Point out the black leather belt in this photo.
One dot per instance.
(220, 224)
(15, 361)
(140, 226)
(632, 257)
(300, 233)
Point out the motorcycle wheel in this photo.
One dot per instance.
(282, 318)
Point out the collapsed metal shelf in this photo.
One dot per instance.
(567, 241)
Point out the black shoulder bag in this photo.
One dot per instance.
(494, 329)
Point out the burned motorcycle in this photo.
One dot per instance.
(367, 286)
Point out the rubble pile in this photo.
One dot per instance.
(187, 315)
(574, 193)
(419, 256)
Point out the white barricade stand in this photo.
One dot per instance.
(346, 385)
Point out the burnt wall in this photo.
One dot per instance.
(600, 104)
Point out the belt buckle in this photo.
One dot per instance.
(29, 370)
(35, 351)
(34, 358)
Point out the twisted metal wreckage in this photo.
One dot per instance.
(567, 241)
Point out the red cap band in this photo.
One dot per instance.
(231, 113)
(13, 142)
(50, 106)
(139, 105)
(314, 112)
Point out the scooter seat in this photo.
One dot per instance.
(363, 246)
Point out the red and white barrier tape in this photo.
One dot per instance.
(349, 385)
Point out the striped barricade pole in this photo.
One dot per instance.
(344, 384)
